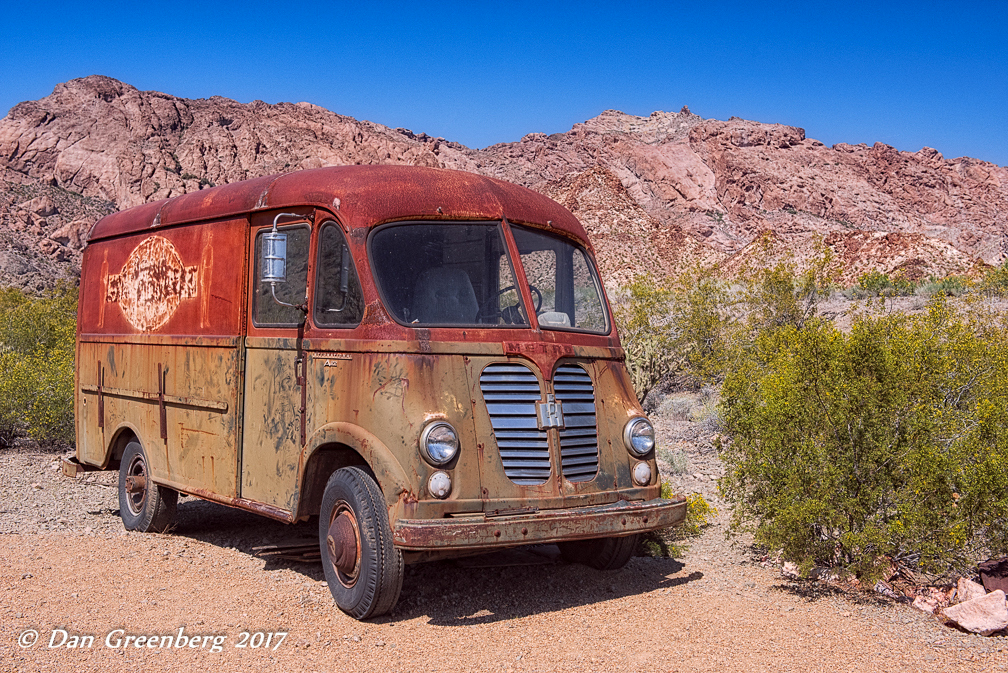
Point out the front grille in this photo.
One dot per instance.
(511, 392)
(579, 438)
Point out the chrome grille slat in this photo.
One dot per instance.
(512, 393)
(579, 447)
(579, 439)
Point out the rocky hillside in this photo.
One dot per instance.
(659, 193)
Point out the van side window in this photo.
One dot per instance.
(266, 312)
(339, 301)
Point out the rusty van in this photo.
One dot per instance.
(423, 359)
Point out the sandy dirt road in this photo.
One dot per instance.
(715, 609)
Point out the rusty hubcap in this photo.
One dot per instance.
(343, 543)
(136, 485)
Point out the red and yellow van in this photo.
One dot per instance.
(425, 359)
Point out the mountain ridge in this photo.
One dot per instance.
(661, 193)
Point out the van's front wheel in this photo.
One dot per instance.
(363, 568)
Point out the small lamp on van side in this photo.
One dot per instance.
(274, 258)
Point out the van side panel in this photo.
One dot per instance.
(179, 281)
(160, 351)
(272, 439)
(195, 444)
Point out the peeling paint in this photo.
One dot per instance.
(251, 415)
(152, 283)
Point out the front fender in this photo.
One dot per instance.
(391, 476)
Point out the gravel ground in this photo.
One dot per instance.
(67, 565)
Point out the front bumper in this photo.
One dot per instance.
(555, 525)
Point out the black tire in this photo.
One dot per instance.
(150, 509)
(604, 553)
(372, 588)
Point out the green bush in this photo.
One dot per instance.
(37, 366)
(994, 282)
(778, 296)
(671, 542)
(705, 321)
(700, 325)
(687, 327)
(952, 286)
(646, 333)
(878, 284)
(845, 449)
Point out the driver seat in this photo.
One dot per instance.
(444, 296)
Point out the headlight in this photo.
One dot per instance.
(438, 443)
(638, 435)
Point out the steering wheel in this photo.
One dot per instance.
(510, 314)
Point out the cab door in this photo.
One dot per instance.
(275, 384)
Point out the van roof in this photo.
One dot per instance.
(361, 196)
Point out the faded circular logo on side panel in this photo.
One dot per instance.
(152, 283)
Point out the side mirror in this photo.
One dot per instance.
(274, 261)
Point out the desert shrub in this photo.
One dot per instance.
(994, 282)
(680, 328)
(878, 284)
(777, 295)
(706, 322)
(844, 449)
(676, 408)
(699, 515)
(37, 366)
(646, 332)
(677, 460)
(951, 286)
(672, 542)
(700, 325)
(707, 415)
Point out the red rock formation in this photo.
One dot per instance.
(657, 193)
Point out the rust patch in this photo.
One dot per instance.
(390, 383)
(525, 525)
(205, 271)
(423, 337)
(152, 283)
(104, 290)
(270, 511)
(342, 544)
(544, 355)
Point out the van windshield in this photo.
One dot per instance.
(446, 274)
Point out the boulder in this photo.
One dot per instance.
(984, 615)
(967, 590)
(931, 599)
(41, 205)
(72, 233)
(994, 574)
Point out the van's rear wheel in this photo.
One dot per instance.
(143, 505)
(604, 553)
(363, 568)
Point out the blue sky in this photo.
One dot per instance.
(909, 75)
